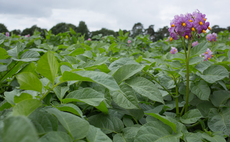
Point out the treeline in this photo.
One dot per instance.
(82, 29)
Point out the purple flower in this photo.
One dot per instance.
(184, 25)
(211, 37)
(7, 34)
(195, 43)
(173, 50)
(168, 39)
(129, 41)
(89, 39)
(207, 55)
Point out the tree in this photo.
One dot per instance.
(217, 29)
(62, 27)
(16, 31)
(31, 30)
(150, 31)
(162, 33)
(137, 29)
(3, 28)
(83, 29)
(104, 32)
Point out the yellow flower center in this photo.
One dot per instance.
(186, 36)
(203, 31)
(193, 29)
(200, 23)
(208, 58)
(171, 51)
(171, 39)
(173, 25)
(174, 50)
(209, 28)
(190, 20)
(206, 52)
(212, 55)
(204, 19)
(183, 24)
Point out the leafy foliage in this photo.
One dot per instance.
(65, 88)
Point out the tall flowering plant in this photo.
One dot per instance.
(186, 27)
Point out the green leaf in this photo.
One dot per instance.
(125, 97)
(60, 91)
(220, 97)
(215, 138)
(126, 71)
(16, 67)
(30, 68)
(48, 66)
(102, 107)
(164, 120)
(119, 138)
(156, 132)
(191, 116)
(3, 53)
(18, 129)
(86, 95)
(92, 76)
(130, 132)
(122, 61)
(199, 49)
(107, 123)
(4, 105)
(43, 121)
(101, 60)
(23, 96)
(26, 107)
(28, 56)
(201, 90)
(77, 127)
(203, 65)
(214, 73)
(56, 137)
(9, 96)
(204, 107)
(29, 81)
(219, 121)
(145, 88)
(192, 137)
(3, 68)
(70, 108)
(195, 60)
(96, 135)
(127, 120)
(77, 51)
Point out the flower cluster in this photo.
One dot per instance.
(129, 41)
(211, 37)
(207, 55)
(7, 34)
(89, 39)
(195, 43)
(27, 35)
(184, 25)
(173, 50)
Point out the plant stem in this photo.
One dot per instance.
(187, 87)
(176, 101)
(43, 96)
(159, 83)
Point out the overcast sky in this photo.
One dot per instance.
(110, 14)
